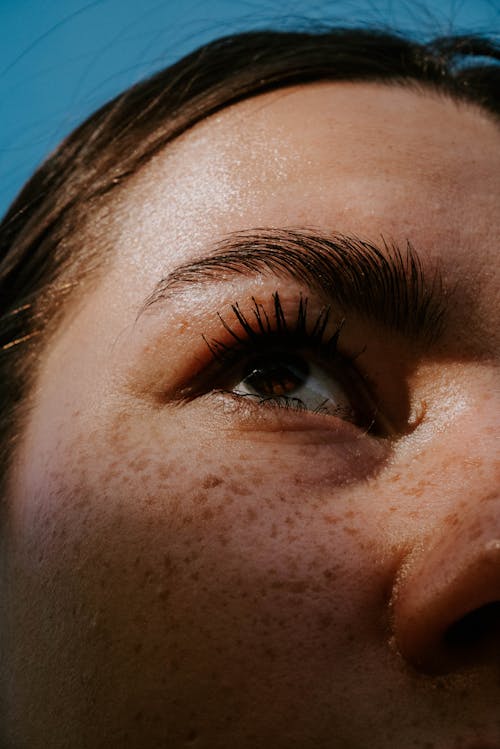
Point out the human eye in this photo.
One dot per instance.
(288, 379)
(271, 355)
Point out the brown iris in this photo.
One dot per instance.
(275, 375)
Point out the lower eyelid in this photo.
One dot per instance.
(252, 414)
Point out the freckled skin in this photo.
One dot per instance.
(172, 579)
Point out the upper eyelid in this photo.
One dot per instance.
(271, 324)
(384, 284)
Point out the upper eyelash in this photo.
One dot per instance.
(263, 326)
(269, 327)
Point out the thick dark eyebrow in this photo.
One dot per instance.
(379, 282)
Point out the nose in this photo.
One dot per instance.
(445, 604)
(446, 599)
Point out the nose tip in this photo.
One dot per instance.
(446, 604)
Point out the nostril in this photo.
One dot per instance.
(446, 604)
(476, 631)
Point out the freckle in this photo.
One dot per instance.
(164, 472)
(83, 501)
(417, 491)
(201, 498)
(192, 736)
(489, 497)
(325, 622)
(251, 514)
(329, 574)
(168, 563)
(174, 665)
(297, 586)
(140, 464)
(163, 593)
(351, 531)
(207, 514)
(238, 489)
(475, 531)
(211, 481)
(330, 519)
(274, 531)
(137, 647)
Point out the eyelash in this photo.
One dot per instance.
(276, 328)
(266, 329)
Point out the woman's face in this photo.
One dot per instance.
(256, 510)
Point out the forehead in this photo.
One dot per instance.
(360, 158)
(350, 156)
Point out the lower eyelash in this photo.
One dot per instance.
(281, 401)
(289, 403)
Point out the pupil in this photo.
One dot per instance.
(278, 374)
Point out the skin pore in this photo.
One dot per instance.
(189, 568)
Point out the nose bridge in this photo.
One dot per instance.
(446, 596)
(462, 457)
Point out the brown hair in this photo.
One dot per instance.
(41, 259)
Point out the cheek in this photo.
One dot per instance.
(151, 579)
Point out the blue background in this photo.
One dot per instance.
(61, 59)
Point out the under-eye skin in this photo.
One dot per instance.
(287, 357)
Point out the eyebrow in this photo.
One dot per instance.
(380, 282)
